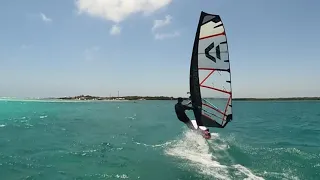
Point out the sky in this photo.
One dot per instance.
(143, 47)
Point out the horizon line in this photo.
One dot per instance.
(157, 96)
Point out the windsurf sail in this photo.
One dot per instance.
(210, 75)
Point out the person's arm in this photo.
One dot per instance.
(187, 107)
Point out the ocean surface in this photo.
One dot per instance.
(144, 140)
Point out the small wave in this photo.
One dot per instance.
(155, 145)
(285, 175)
(41, 117)
(91, 151)
(131, 117)
(2, 125)
(107, 176)
(247, 172)
(122, 176)
(292, 151)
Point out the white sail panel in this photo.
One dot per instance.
(208, 29)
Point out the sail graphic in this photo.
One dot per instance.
(210, 76)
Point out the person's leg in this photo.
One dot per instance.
(188, 122)
(190, 125)
(185, 119)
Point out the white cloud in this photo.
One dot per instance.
(161, 23)
(45, 18)
(118, 10)
(161, 36)
(115, 30)
(90, 53)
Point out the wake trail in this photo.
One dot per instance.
(206, 156)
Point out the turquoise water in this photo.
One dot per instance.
(144, 140)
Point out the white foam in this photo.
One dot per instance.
(122, 176)
(196, 150)
(2, 125)
(107, 176)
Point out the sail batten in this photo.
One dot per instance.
(210, 77)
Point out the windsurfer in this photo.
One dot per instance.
(181, 115)
(180, 112)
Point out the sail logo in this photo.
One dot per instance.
(217, 54)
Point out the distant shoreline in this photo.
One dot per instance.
(87, 97)
(139, 98)
(135, 98)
